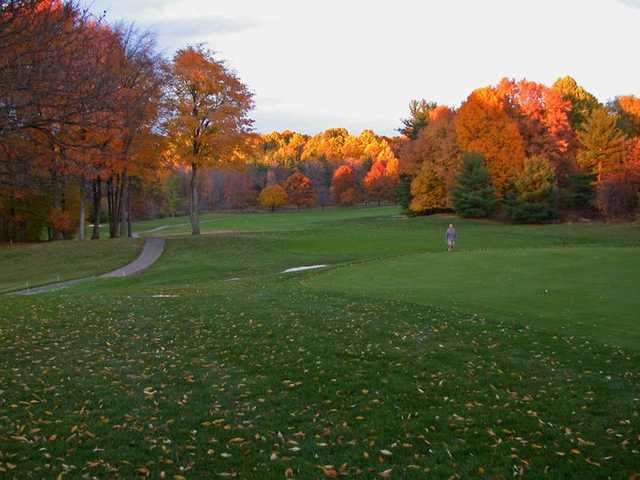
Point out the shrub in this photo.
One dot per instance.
(473, 194)
(579, 191)
(617, 198)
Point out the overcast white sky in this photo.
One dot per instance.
(315, 64)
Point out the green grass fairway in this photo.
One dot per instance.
(516, 356)
(583, 291)
(259, 222)
(23, 266)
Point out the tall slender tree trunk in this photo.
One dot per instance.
(129, 216)
(110, 208)
(57, 201)
(97, 207)
(123, 202)
(195, 220)
(82, 215)
(82, 210)
(11, 226)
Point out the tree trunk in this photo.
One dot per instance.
(195, 221)
(97, 207)
(114, 197)
(599, 173)
(82, 214)
(57, 201)
(123, 205)
(110, 208)
(129, 225)
(11, 226)
(117, 205)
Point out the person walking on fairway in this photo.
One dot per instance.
(450, 237)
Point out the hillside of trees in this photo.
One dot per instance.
(545, 150)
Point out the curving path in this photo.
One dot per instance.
(151, 252)
(153, 248)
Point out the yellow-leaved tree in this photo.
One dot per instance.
(272, 197)
(208, 115)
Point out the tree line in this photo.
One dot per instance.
(523, 151)
(97, 127)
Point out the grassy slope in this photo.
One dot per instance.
(571, 290)
(255, 377)
(41, 263)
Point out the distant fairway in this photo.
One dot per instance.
(583, 291)
(516, 355)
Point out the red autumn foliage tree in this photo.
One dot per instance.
(437, 144)
(344, 186)
(632, 160)
(61, 97)
(381, 180)
(299, 190)
(543, 119)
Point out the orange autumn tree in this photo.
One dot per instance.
(209, 106)
(437, 144)
(381, 180)
(482, 126)
(628, 110)
(344, 186)
(299, 190)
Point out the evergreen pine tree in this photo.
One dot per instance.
(474, 194)
(403, 191)
(602, 144)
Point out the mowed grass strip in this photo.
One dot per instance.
(28, 265)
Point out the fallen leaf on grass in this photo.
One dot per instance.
(143, 472)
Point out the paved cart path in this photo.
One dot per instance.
(153, 248)
(151, 252)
